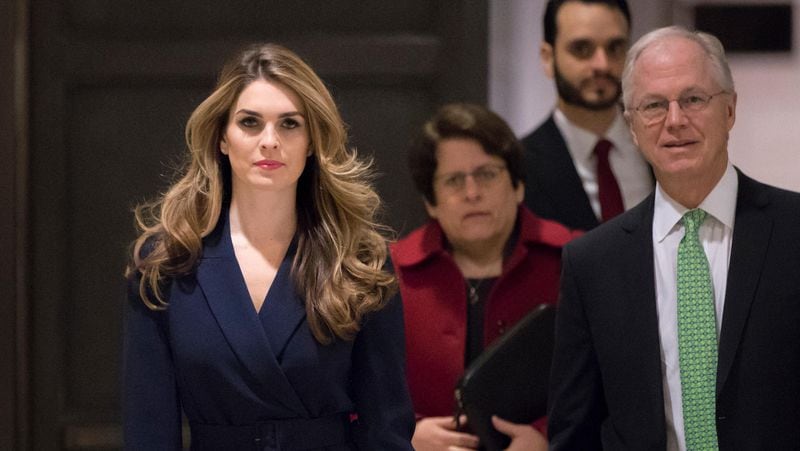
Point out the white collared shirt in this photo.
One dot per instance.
(715, 235)
(630, 168)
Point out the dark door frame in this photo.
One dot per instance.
(30, 398)
(14, 318)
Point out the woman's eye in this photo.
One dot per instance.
(291, 123)
(248, 122)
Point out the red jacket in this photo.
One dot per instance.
(435, 307)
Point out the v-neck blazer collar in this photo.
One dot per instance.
(223, 286)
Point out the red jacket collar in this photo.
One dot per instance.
(428, 241)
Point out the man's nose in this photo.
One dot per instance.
(599, 59)
(675, 114)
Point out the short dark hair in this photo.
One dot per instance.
(551, 11)
(463, 120)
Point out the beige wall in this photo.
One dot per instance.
(765, 142)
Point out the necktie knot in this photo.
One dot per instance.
(602, 148)
(692, 220)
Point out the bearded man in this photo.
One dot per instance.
(582, 166)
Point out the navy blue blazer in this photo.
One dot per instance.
(606, 384)
(248, 380)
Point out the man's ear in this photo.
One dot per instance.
(546, 58)
(629, 119)
(731, 106)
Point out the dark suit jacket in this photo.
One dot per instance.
(606, 383)
(230, 369)
(553, 188)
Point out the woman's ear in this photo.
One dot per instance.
(430, 208)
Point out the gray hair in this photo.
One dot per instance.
(710, 45)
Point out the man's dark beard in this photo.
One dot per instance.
(571, 95)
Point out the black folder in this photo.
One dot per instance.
(510, 378)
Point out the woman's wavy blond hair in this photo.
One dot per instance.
(341, 252)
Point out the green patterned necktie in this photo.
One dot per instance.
(697, 338)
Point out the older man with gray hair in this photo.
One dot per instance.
(679, 321)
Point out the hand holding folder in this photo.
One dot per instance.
(510, 378)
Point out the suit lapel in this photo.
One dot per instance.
(222, 284)
(557, 165)
(751, 235)
(283, 310)
(636, 256)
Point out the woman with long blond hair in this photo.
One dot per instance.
(260, 307)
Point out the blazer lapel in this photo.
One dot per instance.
(557, 166)
(283, 311)
(222, 284)
(636, 259)
(751, 234)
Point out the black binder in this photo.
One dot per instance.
(510, 378)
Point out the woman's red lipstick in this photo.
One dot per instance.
(268, 164)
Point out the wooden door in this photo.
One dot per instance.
(111, 86)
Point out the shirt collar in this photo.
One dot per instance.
(619, 132)
(720, 204)
(581, 142)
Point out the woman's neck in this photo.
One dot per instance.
(479, 261)
(263, 217)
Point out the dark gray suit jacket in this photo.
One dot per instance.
(606, 383)
(553, 188)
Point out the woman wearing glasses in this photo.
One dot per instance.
(479, 265)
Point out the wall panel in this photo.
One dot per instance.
(112, 84)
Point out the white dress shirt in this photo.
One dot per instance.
(629, 167)
(715, 236)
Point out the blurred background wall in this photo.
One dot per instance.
(93, 99)
(764, 140)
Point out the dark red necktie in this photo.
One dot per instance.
(610, 196)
